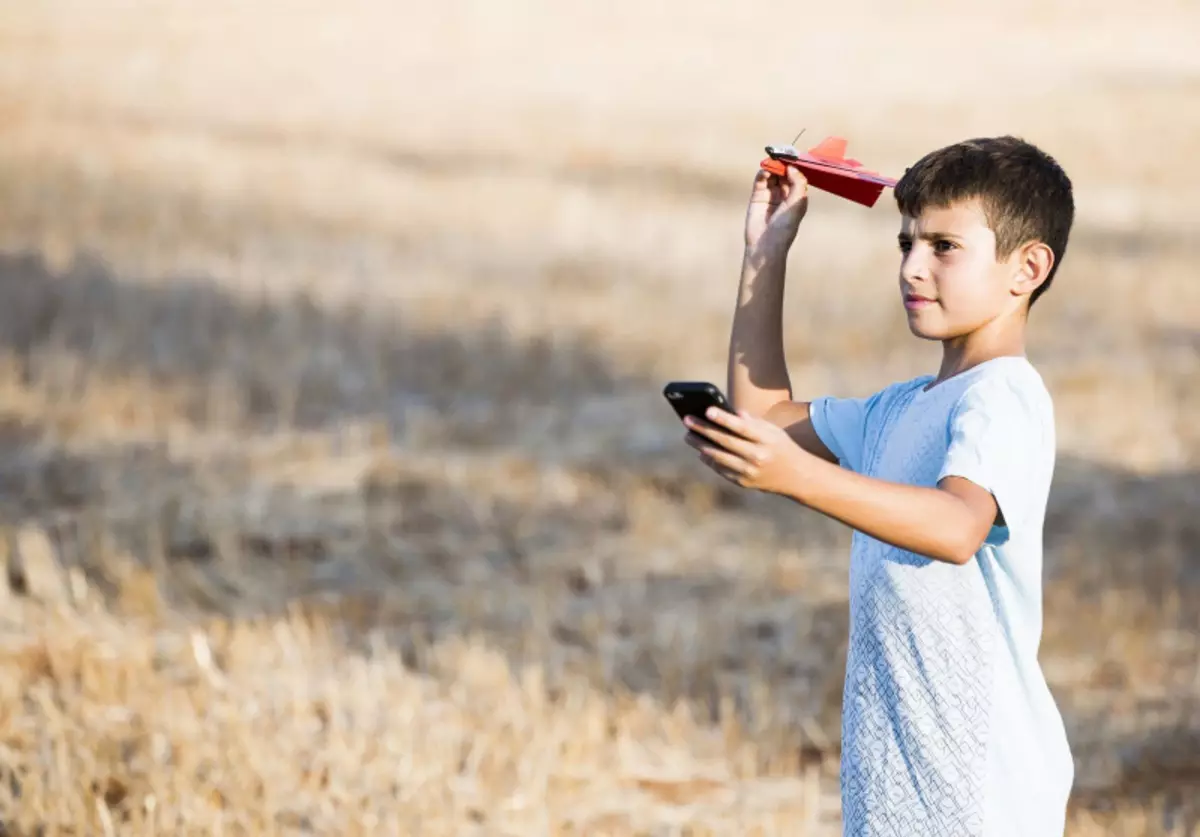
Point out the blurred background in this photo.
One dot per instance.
(338, 492)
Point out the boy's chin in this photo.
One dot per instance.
(928, 331)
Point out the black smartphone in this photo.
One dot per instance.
(693, 398)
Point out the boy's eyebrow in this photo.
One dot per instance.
(930, 236)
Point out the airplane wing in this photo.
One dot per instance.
(827, 168)
(859, 186)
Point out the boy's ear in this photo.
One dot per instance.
(1033, 261)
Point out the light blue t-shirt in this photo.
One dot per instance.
(948, 726)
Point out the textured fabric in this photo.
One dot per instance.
(948, 727)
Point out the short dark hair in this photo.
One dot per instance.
(1025, 193)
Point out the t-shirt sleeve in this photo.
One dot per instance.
(841, 424)
(1001, 439)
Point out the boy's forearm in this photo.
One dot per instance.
(758, 377)
(927, 521)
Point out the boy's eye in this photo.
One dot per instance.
(944, 246)
(905, 246)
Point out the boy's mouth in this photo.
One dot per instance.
(912, 301)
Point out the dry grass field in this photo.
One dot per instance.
(337, 491)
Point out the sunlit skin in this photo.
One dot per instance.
(953, 288)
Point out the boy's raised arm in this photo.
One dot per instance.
(758, 378)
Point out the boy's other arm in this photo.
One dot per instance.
(948, 522)
(757, 374)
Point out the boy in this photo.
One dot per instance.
(948, 727)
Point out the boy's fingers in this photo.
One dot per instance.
(729, 441)
(764, 183)
(712, 457)
(724, 459)
(736, 423)
(727, 474)
(797, 186)
(733, 460)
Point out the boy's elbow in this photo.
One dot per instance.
(965, 524)
(961, 548)
(959, 557)
(758, 405)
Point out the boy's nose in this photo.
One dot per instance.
(914, 268)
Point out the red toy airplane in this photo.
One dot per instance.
(827, 167)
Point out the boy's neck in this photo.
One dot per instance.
(996, 339)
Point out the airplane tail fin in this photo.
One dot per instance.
(833, 148)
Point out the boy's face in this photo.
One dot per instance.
(950, 280)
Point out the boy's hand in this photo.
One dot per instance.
(777, 205)
(750, 452)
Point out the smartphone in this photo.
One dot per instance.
(693, 398)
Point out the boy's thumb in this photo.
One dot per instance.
(798, 186)
(796, 178)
